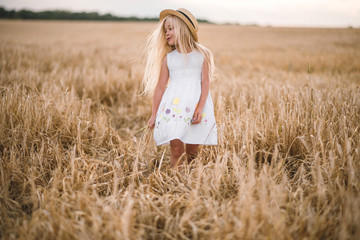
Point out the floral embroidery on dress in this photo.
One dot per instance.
(176, 101)
(177, 110)
(187, 120)
(173, 113)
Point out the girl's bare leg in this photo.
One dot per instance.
(177, 149)
(191, 151)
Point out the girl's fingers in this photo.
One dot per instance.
(151, 124)
(196, 122)
(197, 118)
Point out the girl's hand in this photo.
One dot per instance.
(197, 116)
(151, 122)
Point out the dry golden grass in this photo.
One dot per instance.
(77, 162)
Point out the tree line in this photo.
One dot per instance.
(68, 15)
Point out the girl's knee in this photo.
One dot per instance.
(177, 148)
(177, 151)
(191, 152)
(192, 149)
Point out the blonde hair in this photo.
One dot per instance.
(157, 47)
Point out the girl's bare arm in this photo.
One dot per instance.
(205, 88)
(205, 85)
(159, 90)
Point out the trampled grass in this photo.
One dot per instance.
(78, 163)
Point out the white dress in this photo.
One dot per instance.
(179, 101)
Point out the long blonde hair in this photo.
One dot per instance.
(157, 47)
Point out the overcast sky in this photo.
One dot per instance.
(313, 13)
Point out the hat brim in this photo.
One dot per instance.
(167, 12)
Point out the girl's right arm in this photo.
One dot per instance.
(159, 91)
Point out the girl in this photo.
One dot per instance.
(183, 111)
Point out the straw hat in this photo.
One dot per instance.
(184, 15)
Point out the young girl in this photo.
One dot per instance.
(183, 111)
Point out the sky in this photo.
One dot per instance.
(298, 13)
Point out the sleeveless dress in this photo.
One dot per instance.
(177, 106)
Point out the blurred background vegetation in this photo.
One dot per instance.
(68, 15)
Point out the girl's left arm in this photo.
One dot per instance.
(205, 88)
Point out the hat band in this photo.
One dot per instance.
(186, 17)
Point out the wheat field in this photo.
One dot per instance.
(77, 161)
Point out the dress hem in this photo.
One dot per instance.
(167, 142)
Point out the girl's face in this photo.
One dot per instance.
(169, 33)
